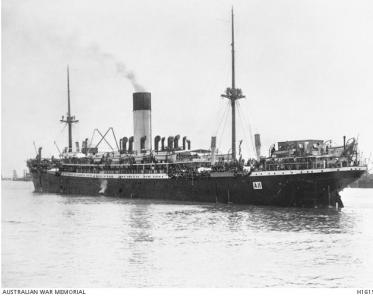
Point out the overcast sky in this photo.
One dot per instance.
(306, 68)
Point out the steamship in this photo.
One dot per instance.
(302, 173)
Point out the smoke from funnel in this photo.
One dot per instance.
(70, 45)
(130, 75)
(120, 67)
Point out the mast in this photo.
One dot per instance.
(233, 63)
(233, 94)
(69, 118)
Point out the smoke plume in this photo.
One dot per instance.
(32, 33)
(130, 75)
(120, 67)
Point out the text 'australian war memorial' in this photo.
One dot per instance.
(302, 173)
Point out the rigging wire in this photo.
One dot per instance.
(224, 125)
(222, 118)
(59, 133)
(244, 128)
(77, 132)
(63, 128)
(250, 129)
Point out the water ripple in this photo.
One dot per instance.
(73, 241)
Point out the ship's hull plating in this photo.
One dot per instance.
(304, 189)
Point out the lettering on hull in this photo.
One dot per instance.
(116, 176)
(257, 185)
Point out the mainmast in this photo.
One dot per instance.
(233, 94)
(69, 118)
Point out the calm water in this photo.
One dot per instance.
(70, 241)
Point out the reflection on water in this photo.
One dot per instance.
(74, 241)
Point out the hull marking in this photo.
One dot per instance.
(257, 185)
(115, 176)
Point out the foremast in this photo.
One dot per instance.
(233, 94)
(69, 118)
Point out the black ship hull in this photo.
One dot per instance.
(363, 183)
(302, 188)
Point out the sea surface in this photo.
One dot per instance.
(73, 241)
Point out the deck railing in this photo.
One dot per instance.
(278, 166)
